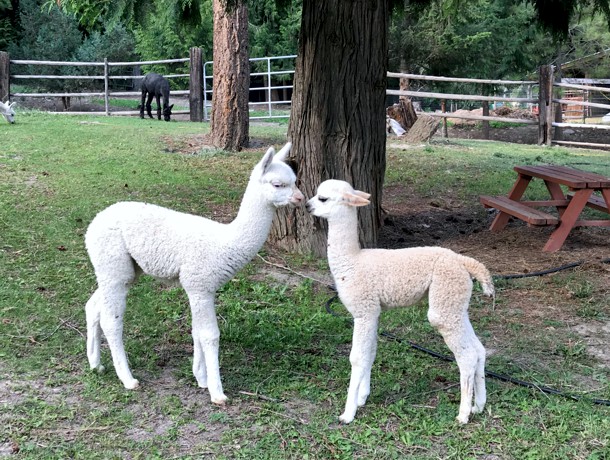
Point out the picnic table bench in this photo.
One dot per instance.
(569, 205)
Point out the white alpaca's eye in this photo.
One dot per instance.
(322, 199)
(277, 184)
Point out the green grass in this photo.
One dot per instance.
(131, 104)
(284, 359)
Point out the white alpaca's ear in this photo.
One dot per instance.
(267, 159)
(364, 195)
(353, 199)
(283, 153)
(11, 104)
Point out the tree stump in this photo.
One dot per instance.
(423, 129)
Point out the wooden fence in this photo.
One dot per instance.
(551, 106)
(195, 91)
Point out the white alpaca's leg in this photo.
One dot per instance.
(364, 346)
(94, 331)
(111, 320)
(206, 340)
(199, 369)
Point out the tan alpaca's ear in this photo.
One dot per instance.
(355, 200)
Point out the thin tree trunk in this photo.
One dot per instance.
(4, 76)
(337, 123)
(230, 123)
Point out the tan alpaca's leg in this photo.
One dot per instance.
(448, 313)
(362, 356)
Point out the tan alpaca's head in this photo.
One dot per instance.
(334, 196)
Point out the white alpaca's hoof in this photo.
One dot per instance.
(220, 400)
(99, 368)
(362, 400)
(202, 384)
(131, 384)
(346, 418)
(462, 420)
(476, 409)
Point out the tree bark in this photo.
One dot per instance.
(4, 77)
(337, 122)
(230, 119)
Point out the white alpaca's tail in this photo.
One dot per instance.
(478, 271)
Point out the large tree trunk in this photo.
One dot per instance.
(337, 123)
(230, 122)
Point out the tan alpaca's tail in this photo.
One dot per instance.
(478, 271)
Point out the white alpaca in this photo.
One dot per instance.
(369, 280)
(130, 238)
(7, 111)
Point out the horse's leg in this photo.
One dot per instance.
(142, 103)
(158, 97)
(148, 106)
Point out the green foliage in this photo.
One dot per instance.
(274, 31)
(170, 27)
(7, 30)
(51, 34)
(483, 39)
(45, 35)
(557, 15)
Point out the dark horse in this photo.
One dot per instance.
(157, 86)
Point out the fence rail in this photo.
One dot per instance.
(105, 77)
(270, 85)
(549, 107)
(556, 102)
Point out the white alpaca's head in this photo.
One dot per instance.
(7, 111)
(277, 180)
(334, 197)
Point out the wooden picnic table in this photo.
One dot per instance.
(580, 187)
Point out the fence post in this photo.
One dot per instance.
(444, 110)
(196, 85)
(4, 76)
(545, 105)
(485, 112)
(106, 87)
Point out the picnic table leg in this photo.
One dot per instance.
(606, 194)
(557, 194)
(516, 193)
(568, 219)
